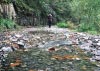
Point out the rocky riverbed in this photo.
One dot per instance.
(49, 49)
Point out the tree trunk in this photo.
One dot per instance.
(8, 11)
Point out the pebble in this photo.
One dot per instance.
(92, 59)
(40, 70)
(97, 58)
(7, 49)
(84, 41)
(98, 44)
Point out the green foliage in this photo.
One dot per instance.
(21, 5)
(60, 9)
(87, 14)
(7, 24)
(5, 1)
(93, 32)
(83, 27)
(41, 8)
(62, 25)
(69, 25)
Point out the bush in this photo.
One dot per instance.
(93, 32)
(70, 25)
(66, 25)
(62, 25)
(86, 27)
(7, 24)
(82, 27)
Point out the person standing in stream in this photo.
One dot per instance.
(50, 19)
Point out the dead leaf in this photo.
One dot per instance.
(15, 45)
(7, 41)
(67, 56)
(66, 48)
(32, 70)
(70, 57)
(51, 49)
(84, 67)
(14, 64)
(17, 63)
(57, 57)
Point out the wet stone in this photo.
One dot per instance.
(36, 58)
(97, 52)
(98, 44)
(97, 58)
(55, 43)
(7, 49)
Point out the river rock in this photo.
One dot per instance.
(81, 34)
(86, 37)
(97, 39)
(6, 49)
(25, 38)
(85, 46)
(48, 69)
(18, 35)
(97, 52)
(92, 59)
(97, 58)
(98, 44)
(56, 43)
(13, 39)
(40, 70)
(21, 42)
(67, 35)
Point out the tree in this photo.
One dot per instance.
(86, 11)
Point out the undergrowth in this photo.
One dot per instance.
(90, 28)
(69, 25)
(7, 24)
(83, 27)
